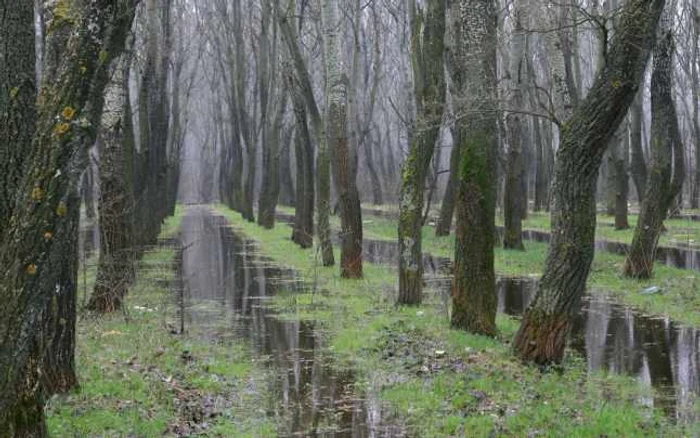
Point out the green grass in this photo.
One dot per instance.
(680, 297)
(680, 232)
(136, 379)
(442, 382)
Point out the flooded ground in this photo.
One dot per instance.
(225, 285)
(677, 257)
(227, 282)
(610, 336)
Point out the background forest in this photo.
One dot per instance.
(349, 218)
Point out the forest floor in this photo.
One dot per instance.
(140, 377)
(679, 289)
(442, 382)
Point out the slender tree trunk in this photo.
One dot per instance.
(666, 171)
(342, 148)
(448, 201)
(622, 181)
(542, 334)
(287, 187)
(474, 288)
(377, 196)
(638, 167)
(323, 175)
(515, 198)
(303, 234)
(428, 30)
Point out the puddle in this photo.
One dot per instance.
(677, 257)
(225, 285)
(610, 336)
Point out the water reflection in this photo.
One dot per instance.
(613, 337)
(610, 336)
(225, 285)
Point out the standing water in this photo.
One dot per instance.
(612, 337)
(226, 283)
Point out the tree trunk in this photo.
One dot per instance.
(427, 38)
(666, 170)
(115, 266)
(323, 175)
(303, 233)
(287, 187)
(695, 77)
(474, 299)
(17, 100)
(542, 335)
(342, 148)
(638, 167)
(448, 201)
(515, 197)
(55, 163)
(377, 196)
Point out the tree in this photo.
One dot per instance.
(474, 287)
(516, 132)
(115, 266)
(323, 177)
(342, 149)
(584, 137)
(666, 169)
(427, 40)
(57, 158)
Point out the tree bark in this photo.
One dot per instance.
(474, 298)
(638, 167)
(427, 39)
(515, 197)
(666, 170)
(303, 233)
(56, 161)
(115, 266)
(18, 93)
(447, 208)
(542, 335)
(343, 149)
(323, 174)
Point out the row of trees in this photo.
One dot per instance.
(332, 79)
(503, 87)
(99, 74)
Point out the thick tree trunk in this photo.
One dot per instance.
(17, 100)
(56, 161)
(695, 73)
(542, 335)
(666, 170)
(58, 374)
(115, 266)
(427, 38)
(447, 208)
(474, 288)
